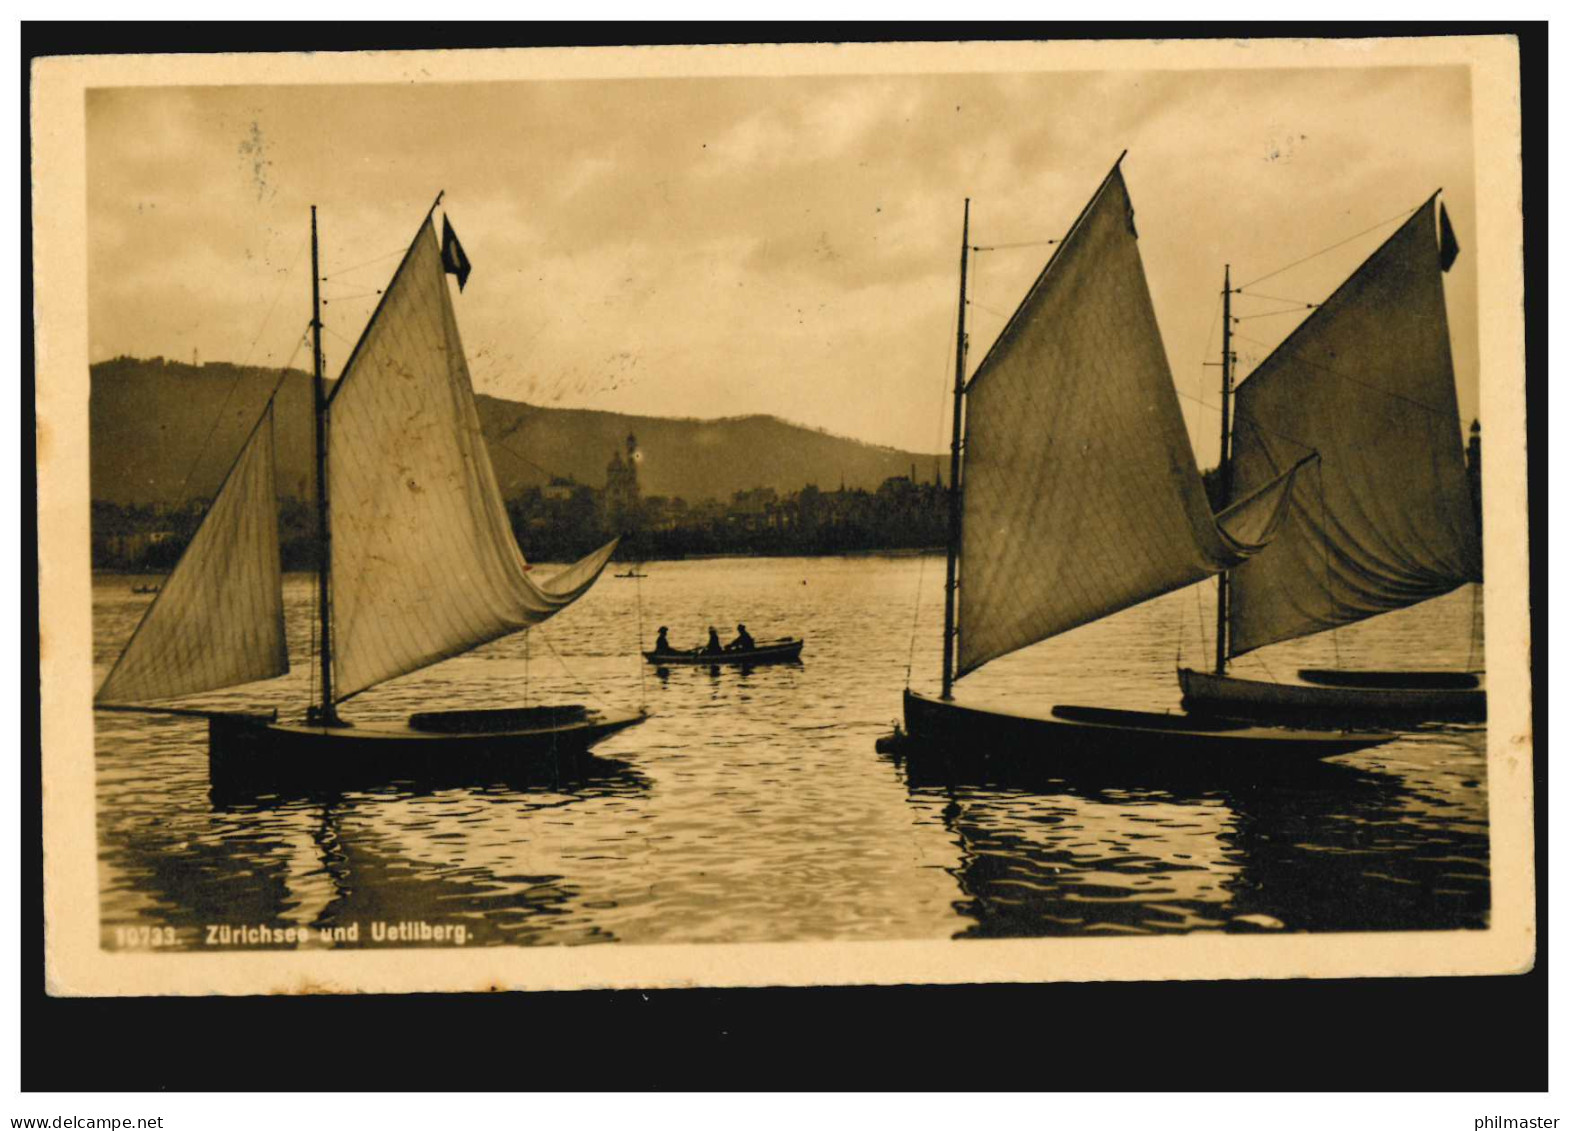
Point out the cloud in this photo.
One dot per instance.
(730, 245)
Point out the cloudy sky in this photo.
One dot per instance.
(709, 247)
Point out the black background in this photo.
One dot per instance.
(1424, 1034)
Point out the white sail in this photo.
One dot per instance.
(218, 620)
(1081, 494)
(1367, 381)
(424, 564)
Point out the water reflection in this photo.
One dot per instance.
(751, 805)
(494, 859)
(1358, 846)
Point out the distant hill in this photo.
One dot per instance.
(148, 420)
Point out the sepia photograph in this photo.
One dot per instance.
(653, 517)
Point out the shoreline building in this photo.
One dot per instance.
(623, 494)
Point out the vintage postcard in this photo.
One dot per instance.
(782, 515)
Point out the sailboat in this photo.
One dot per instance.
(1367, 380)
(418, 564)
(1076, 496)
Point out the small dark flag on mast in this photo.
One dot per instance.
(1448, 246)
(452, 256)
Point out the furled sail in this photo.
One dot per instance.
(424, 564)
(218, 620)
(1368, 382)
(1081, 494)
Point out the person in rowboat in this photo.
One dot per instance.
(743, 641)
(713, 647)
(663, 643)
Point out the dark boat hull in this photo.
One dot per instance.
(1098, 742)
(784, 652)
(248, 752)
(1340, 696)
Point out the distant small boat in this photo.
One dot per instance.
(631, 573)
(145, 588)
(773, 652)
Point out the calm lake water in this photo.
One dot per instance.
(753, 806)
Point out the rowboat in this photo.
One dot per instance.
(787, 651)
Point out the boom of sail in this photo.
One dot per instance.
(1081, 493)
(424, 565)
(1367, 381)
(218, 619)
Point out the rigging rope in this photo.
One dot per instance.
(311, 661)
(1199, 400)
(1331, 247)
(1209, 340)
(988, 309)
(642, 693)
(1198, 601)
(1470, 657)
(1329, 590)
(920, 575)
(1346, 377)
(1258, 658)
(367, 263)
(1276, 313)
(582, 684)
(337, 335)
(1010, 246)
(504, 446)
(201, 450)
(1272, 298)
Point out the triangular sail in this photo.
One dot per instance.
(424, 564)
(218, 620)
(1081, 494)
(1368, 382)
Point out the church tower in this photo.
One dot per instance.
(623, 494)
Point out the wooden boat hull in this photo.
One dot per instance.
(782, 652)
(246, 751)
(1322, 694)
(1107, 742)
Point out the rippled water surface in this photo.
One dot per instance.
(753, 806)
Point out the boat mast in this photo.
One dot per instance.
(1223, 580)
(325, 713)
(954, 498)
